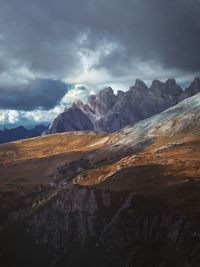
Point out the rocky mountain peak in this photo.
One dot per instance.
(193, 89)
(73, 119)
(140, 83)
(120, 93)
(157, 84)
(106, 91)
(109, 112)
(172, 87)
(171, 83)
(78, 104)
(102, 102)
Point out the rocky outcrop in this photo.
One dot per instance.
(71, 120)
(91, 227)
(140, 103)
(102, 102)
(109, 112)
(193, 89)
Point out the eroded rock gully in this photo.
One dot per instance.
(82, 225)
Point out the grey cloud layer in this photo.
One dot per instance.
(47, 36)
(43, 94)
(43, 34)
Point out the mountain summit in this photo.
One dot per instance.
(107, 112)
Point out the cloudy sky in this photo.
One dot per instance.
(54, 52)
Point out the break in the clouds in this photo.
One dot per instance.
(12, 118)
(93, 42)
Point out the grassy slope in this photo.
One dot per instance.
(35, 161)
(164, 174)
(168, 166)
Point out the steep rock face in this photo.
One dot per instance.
(173, 88)
(102, 102)
(77, 215)
(140, 103)
(90, 227)
(193, 89)
(139, 83)
(71, 120)
(109, 112)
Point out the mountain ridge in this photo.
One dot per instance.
(121, 196)
(110, 112)
(20, 132)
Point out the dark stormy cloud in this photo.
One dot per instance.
(93, 42)
(38, 94)
(48, 36)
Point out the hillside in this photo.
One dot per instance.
(99, 199)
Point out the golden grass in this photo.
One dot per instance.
(179, 156)
(35, 161)
(49, 145)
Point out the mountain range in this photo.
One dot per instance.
(14, 134)
(109, 112)
(123, 199)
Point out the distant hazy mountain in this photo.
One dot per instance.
(109, 112)
(14, 134)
